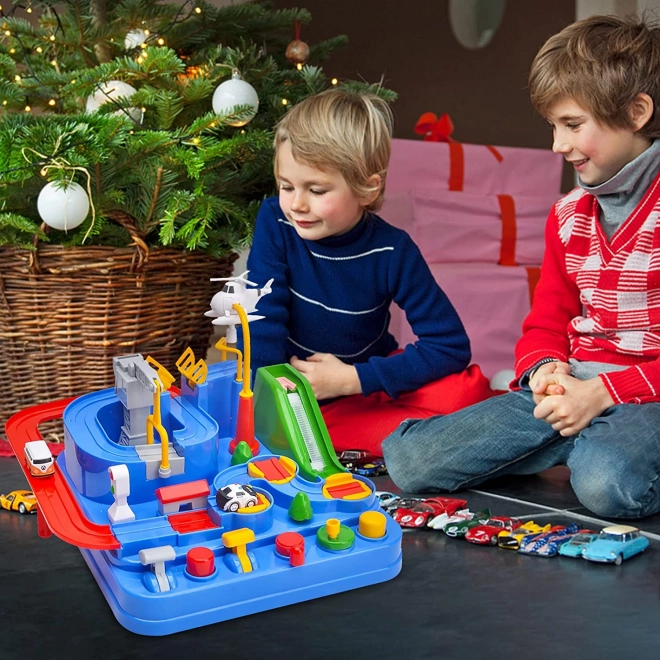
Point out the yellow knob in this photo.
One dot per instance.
(372, 524)
(332, 528)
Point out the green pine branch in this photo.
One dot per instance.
(186, 176)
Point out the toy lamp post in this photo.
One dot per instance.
(245, 418)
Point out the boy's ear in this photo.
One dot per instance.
(641, 110)
(375, 181)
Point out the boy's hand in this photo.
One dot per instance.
(328, 375)
(573, 411)
(543, 382)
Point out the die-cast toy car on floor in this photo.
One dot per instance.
(458, 525)
(487, 533)
(616, 543)
(22, 501)
(575, 545)
(510, 540)
(548, 544)
(420, 514)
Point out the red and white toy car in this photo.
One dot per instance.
(487, 533)
(420, 514)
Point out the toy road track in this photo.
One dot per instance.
(57, 503)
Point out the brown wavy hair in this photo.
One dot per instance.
(345, 131)
(603, 63)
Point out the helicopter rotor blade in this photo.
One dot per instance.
(235, 278)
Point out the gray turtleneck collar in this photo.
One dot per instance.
(618, 196)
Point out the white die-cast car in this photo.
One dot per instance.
(236, 496)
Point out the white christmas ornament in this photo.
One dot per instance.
(114, 90)
(135, 38)
(232, 93)
(63, 208)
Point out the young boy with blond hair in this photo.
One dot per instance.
(587, 385)
(337, 267)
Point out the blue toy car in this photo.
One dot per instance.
(616, 543)
(548, 544)
(574, 547)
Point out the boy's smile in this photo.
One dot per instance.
(318, 203)
(597, 152)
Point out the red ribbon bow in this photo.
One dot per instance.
(434, 129)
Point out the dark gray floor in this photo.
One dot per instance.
(452, 600)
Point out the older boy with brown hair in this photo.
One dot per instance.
(587, 386)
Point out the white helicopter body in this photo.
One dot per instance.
(235, 291)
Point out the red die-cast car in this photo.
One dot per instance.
(420, 514)
(487, 533)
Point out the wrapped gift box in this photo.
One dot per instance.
(492, 301)
(474, 168)
(461, 227)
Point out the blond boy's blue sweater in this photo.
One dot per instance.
(333, 296)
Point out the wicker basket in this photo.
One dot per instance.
(65, 312)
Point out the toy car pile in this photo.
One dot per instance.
(612, 544)
(360, 461)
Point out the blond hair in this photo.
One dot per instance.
(603, 63)
(344, 131)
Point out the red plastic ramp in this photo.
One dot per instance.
(57, 503)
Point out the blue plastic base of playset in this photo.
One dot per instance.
(131, 591)
(221, 599)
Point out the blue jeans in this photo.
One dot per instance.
(614, 462)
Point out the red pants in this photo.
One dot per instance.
(359, 422)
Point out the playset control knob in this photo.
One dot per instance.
(200, 562)
(372, 524)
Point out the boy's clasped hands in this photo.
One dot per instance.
(564, 402)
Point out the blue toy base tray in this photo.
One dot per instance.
(269, 586)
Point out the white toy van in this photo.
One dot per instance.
(39, 459)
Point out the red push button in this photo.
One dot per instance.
(292, 545)
(200, 562)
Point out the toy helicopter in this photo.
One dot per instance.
(235, 291)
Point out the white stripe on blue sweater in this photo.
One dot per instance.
(334, 309)
(339, 355)
(354, 256)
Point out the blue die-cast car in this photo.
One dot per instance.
(575, 546)
(616, 543)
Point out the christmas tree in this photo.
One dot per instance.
(146, 121)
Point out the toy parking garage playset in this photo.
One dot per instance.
(211, 502)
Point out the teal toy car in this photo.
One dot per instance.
(616, 543)
(573, 547)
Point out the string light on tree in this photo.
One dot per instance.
(297, 52)
(62, 207)
(232, 93)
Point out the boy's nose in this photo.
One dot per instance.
(560, 146)
(299, 202)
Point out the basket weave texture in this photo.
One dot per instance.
(66, 312)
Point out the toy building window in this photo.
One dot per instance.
(475, 22)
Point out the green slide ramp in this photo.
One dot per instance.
(288, 421)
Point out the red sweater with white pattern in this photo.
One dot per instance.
(599, 300)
